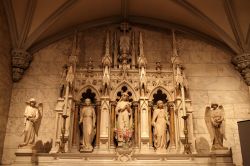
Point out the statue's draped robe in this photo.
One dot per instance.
(31, 115)
(123, 120)
(216, 120)
(160, 126)
(88, 121)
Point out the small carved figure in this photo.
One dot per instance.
(214, 118)
(158, 67)
(31, 116)
(63, 80)
(88, 121)
(160, 123)
(124, 120)
(181, 77)
(142, 61)
(106, 63)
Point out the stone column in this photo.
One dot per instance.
(20, 62)
(136, 129)
(75, 133)
(172, 125)
(98, 117)
(150, 110)
(112, 124)
(144, 128)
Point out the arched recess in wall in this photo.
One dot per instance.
(160, 90)
(88, 91)
(133, 20)
(120, 88)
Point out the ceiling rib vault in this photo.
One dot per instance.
(189, 16)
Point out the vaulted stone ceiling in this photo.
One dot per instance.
(36, 23)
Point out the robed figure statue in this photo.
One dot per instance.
(214, 118)
(124, 120)
(31, 116)
(88, 121)
(159, 123)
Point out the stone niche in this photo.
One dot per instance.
(208, 70)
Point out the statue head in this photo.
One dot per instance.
(160, 104)
(87, 102)
(124, 96)
(32, 102)
(214, 106)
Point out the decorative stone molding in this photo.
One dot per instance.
(242, 63)
(20, 62)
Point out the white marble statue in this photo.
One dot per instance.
(88, 121)
(31, 116)
(160, 122)
(124, 119)
(214, 118)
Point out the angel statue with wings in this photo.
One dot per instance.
(214, 117)
(31, 123)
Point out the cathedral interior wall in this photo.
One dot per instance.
(210, 74)
(5, 75)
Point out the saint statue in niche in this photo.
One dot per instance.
(159, 123)
(31, 116)
(214, 117)
(124, 120)
(88, 121)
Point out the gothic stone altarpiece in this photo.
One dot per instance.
(124, 112)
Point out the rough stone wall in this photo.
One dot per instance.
(211, 77)
(5, 75)
(41, 81)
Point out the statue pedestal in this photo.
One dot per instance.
(25, 150)
(224, 150)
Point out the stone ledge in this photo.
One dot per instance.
(110, 158)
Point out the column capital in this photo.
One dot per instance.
(20, 62)
(242, 63)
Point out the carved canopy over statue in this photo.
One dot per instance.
(115, 110)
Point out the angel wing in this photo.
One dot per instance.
(208, 122)
(222, 126)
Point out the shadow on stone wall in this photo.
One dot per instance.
(202, 145)
(43, 147)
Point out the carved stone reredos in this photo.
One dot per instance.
(20, 62)
(242, 63)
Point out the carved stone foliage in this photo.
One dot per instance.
(20, 62)
(242, 63)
